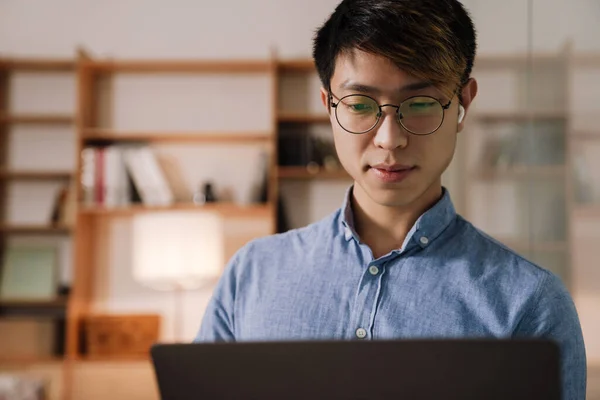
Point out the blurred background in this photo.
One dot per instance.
(144, 142)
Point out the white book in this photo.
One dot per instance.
(111, 177)
(161, 191)
(138, 175)
(147, 176)
(88, 175)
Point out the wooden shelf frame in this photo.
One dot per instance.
(106, 135)
(91, 74)
(37, 119)
(35, 229)
(225, 209)
(37, 64)
(300, 65)
(178, 66)
(35, 175)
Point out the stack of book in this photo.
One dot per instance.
(118, 175)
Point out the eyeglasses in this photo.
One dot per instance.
(419, 115)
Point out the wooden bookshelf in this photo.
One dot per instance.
(106, 135)
(42, 119)
(38, 65)
(90, 236)
(303, 118)
(31, 360)
(225, 209)
(178, 66)
(302, 173)
(36, 175)
(113, 359)
(296, 65)
(35, 230)
(28, 304)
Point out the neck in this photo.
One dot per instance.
(385, 227)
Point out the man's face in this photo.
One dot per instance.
(389, 165)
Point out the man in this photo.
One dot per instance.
(395, 261)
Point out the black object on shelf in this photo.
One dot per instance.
(205, 195)
(302, 149)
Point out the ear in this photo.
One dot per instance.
(468, 93)
(325, 99)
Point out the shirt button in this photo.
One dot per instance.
(361, 333)
(424, 241)
(373, 270)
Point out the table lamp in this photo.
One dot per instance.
(177, 251)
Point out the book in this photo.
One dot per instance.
(29, 273)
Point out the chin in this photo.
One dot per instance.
(391, 195)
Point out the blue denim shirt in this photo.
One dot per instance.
(448, 280)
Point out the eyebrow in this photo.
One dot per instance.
(359, 87)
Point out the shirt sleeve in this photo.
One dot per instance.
(554, 317)
(218, 323)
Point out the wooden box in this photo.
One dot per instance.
(121, 335)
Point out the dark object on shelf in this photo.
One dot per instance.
(60, 332)
(205, 195)
(209, 194)
(282, 220)
(64, 290)
(302, 149)
(59, 205)
(135, 198)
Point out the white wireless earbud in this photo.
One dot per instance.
(461, 113)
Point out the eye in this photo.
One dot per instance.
(361, 107)
(422, 105)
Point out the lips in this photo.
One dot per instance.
(391, 173)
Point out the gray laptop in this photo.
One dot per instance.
(353, 370)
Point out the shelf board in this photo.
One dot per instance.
(28, 360)
(56, 303)
(105, 135)
(302, 173)
(226, 209)
(49, 119)
(113, 359)
(303, 118)
(34, 229)
(520, 172)
(35, 175)
(497, 117)
(40, 64)
(297, 65)
(56, 308)
(179, 66)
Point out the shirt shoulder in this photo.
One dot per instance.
(495, 255)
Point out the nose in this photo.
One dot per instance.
(389, 134)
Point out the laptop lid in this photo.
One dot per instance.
(411, 369)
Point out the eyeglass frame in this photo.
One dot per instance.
(380, 113)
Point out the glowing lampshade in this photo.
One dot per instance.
(177, 250)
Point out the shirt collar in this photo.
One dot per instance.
(427, 228)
